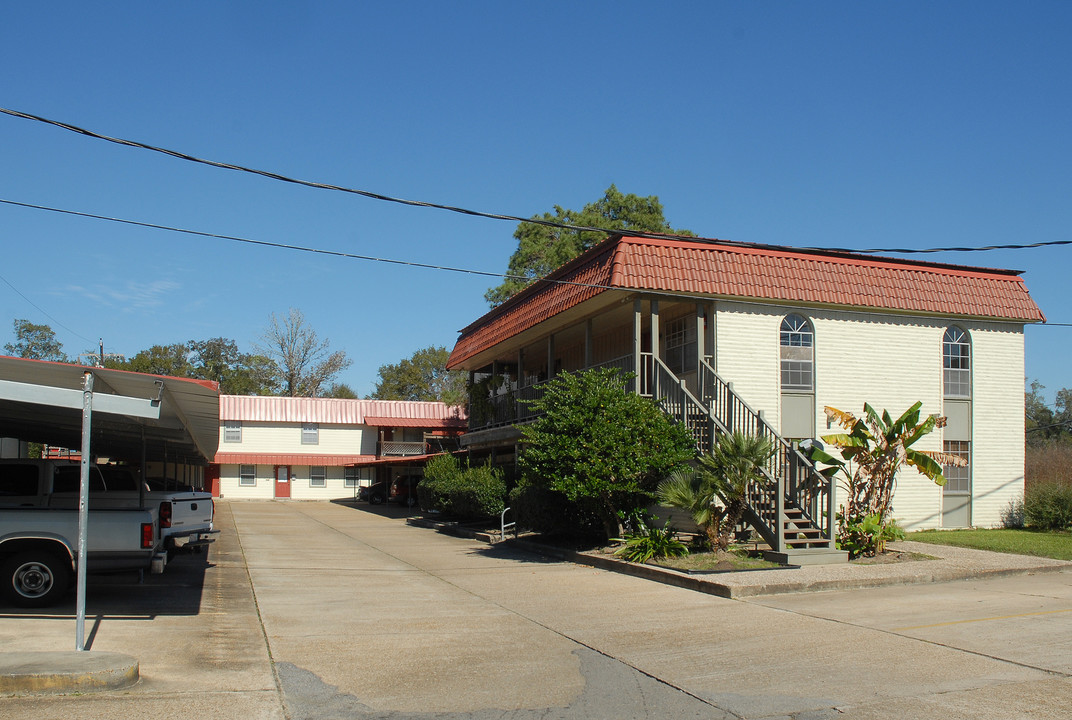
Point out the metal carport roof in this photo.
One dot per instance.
(187, 427)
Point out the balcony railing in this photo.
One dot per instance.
(393, 448)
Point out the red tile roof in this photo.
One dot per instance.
(759, 273)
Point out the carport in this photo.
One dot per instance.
(108, 413)
(42, 402)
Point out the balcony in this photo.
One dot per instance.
(392, 448)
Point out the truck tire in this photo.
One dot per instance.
(34, 578)
(375, 499)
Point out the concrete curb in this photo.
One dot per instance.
(65, 672)
(774, 582)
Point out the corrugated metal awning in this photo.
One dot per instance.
(187, 426)
(398, 422)
(236, 458)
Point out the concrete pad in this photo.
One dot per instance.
(66, 672)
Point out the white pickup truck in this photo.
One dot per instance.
(185, 515)
(39, 543)
(129, 528)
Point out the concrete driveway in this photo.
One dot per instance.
(319, 610)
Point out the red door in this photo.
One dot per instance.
(212, 479)
(282, 481)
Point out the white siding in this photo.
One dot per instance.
(997, 419)
(285, 439)
(300, 488)
(892, 362)
(229, 487)
(746, 345)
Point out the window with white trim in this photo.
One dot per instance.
(318, 476)
(797, 354)
(232, 431)
(247, 475)
(957, 478)
(956, 363)
(353, 477)
(310, 433)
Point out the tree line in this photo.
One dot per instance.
(291, 359)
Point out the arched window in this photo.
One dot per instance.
(956, 364)
(797, 354)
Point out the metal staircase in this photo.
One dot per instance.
(792, 508)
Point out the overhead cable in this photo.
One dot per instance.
(321, 251)
(491, 216)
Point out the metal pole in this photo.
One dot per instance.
(83, 511)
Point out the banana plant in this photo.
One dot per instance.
(878, 446)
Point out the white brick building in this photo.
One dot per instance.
(784, 332)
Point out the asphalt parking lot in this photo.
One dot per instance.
(322, 610)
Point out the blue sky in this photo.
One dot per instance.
(839, 124)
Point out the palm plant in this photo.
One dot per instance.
(735, 462)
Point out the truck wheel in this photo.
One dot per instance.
(34, 578)
(375, 499)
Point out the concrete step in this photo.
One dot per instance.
(807, 556)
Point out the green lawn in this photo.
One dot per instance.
(1056, 545)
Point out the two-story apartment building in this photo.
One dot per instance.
(324, 448)
(727, 335)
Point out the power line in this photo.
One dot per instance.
(42, 311)
(310, 183)
(491, 216)
(319, 251)
(301, 248)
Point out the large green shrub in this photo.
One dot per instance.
(600, 445)
(480, 492)
(465, 493)
(441, 475)
(1048, 506)
(551, 513)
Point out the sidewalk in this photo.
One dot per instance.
(951, 563)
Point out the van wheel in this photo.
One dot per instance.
(35, 578)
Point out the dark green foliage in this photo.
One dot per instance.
(648, 542)
(471, 493)
(551, 513)
(866, 536)
(541, 249)
(35, 341)
(599, 445)
(441, 475)
(480, 493)
(1048, 506)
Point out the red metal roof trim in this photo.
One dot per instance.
(731, 271)
(416, 422)
(263, 408)
(237, 458)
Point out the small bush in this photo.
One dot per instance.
(1012, 516)
(647, 543)
(1048, 506)
(866, 536)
